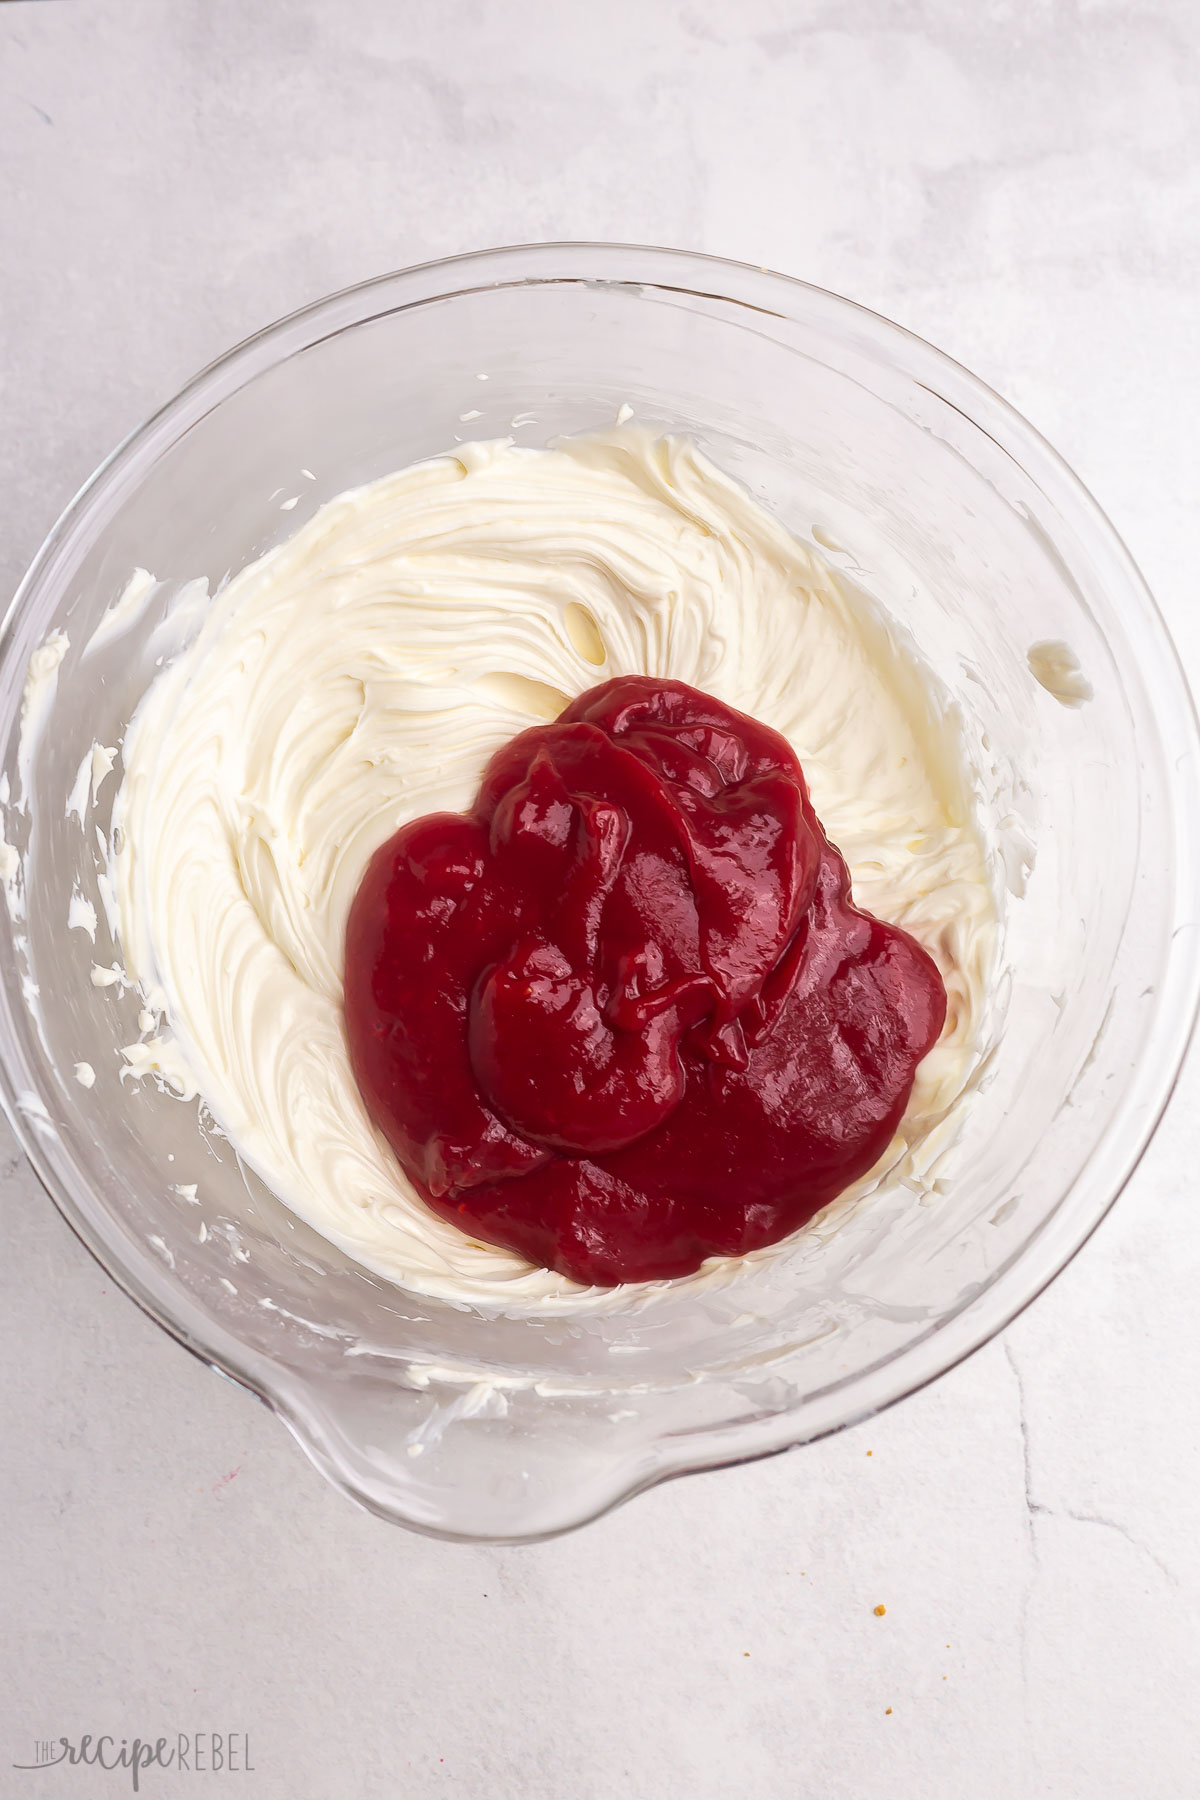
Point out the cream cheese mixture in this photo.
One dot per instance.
(362, 673)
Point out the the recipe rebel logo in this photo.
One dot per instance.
(193, 1753)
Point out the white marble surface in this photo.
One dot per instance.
(1019, 182)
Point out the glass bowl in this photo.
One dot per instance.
(936, 497)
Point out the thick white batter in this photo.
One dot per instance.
(362, 674)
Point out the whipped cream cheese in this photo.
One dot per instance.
(363, 672)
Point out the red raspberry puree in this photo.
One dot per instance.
(622, 1015)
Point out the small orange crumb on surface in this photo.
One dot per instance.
(886, 1710)
(879, 1611)
(870, 1453)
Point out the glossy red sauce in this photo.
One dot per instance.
(622, 1015)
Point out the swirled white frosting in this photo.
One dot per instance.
(363, 672)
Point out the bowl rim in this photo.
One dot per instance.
(979, 1318)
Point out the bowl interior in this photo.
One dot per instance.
(922, 488)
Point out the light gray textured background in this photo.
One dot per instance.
(1021, 184)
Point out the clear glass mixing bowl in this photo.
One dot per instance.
(945, 505)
